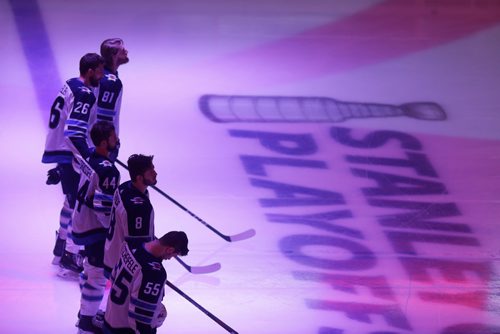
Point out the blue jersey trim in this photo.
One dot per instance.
(106, 112)
(140, 318)
(59, 157)
(89, 237)
(143, 305)
(91, 298)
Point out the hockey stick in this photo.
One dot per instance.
(202, 309)
(230, 238)
(199, 269)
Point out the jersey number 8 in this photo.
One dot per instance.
(138, 223)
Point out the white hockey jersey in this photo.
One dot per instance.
(137, 289)
(132, 220)
(99, 178)
(69, 117)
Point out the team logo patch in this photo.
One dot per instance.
(155, 265)
(137, 200)
(106, 163)
(111, 77)
(85, 90)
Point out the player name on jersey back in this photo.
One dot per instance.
(129, 261)
(85, 168)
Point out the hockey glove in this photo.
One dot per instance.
(159, 316)
(53, 176)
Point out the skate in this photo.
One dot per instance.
(86, 326)
(71, 266)
(98, 320)
(58, 249)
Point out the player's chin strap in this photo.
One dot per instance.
(230, 238)
(201, 308)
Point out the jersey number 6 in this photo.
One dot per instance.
(55, 112)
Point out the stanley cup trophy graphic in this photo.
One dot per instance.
(273, 109)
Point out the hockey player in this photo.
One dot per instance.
(132, 215)
(110, 87)
(68, 117)
(138, 282)
(109, 93)
(99, 179)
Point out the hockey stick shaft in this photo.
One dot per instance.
(201, 308)
(189, 212)
(241, 236)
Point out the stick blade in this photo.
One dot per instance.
(242, 236)
(211, 268)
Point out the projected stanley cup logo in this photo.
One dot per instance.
(264, 109)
